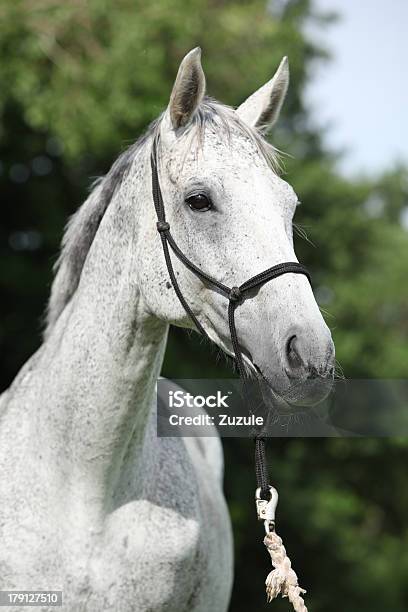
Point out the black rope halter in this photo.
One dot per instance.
(235, 296)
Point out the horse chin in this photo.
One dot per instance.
(309, 392)
(302, 393)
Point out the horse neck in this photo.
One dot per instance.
(106, 350)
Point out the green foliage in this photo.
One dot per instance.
(95, 73)
(359, 264)
(78, 80)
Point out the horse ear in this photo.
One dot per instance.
(188, 90)
(263, 107)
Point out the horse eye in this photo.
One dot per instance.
(199, 202)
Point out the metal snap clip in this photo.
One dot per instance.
(266, 508)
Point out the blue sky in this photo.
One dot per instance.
(363, 92)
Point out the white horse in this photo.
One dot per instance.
(91, 501)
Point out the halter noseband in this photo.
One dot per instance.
(235, 295)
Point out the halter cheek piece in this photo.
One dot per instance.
(235, 295)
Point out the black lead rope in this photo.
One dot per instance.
(235, 296)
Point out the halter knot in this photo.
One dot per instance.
(162, 226)
(235, 294)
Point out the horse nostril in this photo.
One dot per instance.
(308, 357)
(292, 352)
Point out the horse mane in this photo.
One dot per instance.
(83, 225)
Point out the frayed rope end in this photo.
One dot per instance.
(282, 579)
